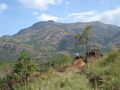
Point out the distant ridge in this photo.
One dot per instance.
(46, 37)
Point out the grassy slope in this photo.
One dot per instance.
(106, 68)
(52, 81)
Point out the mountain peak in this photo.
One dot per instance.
(51, 21)
(44, 23)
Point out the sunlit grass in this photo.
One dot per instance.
(106, 68)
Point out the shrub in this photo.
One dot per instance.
(20, 73)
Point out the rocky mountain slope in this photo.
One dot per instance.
(47, 38)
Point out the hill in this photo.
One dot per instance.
(48, 38)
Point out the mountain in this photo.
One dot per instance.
(47, 38)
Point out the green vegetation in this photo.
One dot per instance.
(103, 74)
(22, 70)
(43, 37)
(84, 39)
(108, 71)
(57, 62)
(67, 81)
(5, 68)
(51, 45)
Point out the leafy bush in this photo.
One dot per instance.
(20, 74)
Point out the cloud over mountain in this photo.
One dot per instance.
(109, 16)
(39, 4)
(45, 17)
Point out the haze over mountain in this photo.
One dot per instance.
(47, 38)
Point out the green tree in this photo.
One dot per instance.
(24, 68)
(84, 38)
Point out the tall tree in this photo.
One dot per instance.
(84, 38)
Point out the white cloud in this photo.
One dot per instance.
(45, 17)
(3, 7)
(82, 16)
(67, 3)
(39, 4)
(108, 16)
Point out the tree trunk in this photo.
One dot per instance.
(87, 50)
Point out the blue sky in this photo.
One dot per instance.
(19, 14)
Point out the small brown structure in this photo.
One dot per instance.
(76, 65)
(79, 61)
